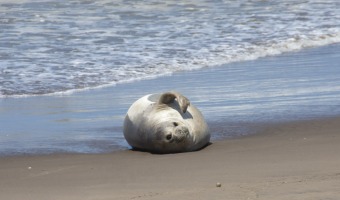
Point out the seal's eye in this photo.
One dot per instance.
(169, 136)
(175, 123)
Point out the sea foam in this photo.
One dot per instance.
(57, 48)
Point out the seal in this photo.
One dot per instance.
(165, 123)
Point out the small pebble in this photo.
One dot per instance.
(29, 168)
(218, 184)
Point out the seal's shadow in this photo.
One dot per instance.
(158, 153)
(175, 105)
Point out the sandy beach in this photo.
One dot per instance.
(297, 160)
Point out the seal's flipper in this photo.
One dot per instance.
(169, 97)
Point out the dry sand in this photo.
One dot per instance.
(299, 160)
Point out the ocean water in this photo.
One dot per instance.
(69, 70)
(59, 46)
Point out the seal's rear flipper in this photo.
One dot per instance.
(169, 97)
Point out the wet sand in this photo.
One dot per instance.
(296, 160)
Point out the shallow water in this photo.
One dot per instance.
(51, 46)
(233, 98)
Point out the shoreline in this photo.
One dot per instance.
(295, 160)
(233, 98)
(251, 129)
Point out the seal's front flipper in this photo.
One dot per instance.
(169, 97)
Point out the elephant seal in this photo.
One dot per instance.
(165, 123)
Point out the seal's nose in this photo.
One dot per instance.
(181, 133)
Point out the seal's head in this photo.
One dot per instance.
(171, 136)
